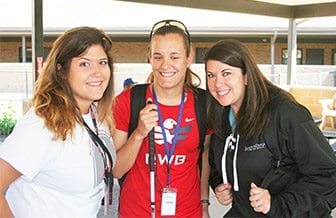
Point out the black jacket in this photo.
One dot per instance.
(306, 178)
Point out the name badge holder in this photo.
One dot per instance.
(168, 204)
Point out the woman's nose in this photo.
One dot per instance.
(219, 81)
(165, 63)
(96, 69)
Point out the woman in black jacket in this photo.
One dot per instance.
(267, 156)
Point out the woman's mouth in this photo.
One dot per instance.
(167, 74)
(224, 92)
(98, 83)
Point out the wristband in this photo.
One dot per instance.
(205, 201)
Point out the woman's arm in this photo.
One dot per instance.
(205, 177)
(128, 147)
(314, 159)
(7, 175)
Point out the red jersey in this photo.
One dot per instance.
(135, 191)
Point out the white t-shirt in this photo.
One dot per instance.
(59, 178)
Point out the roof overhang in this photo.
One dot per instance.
(316, 8)
(194, 31)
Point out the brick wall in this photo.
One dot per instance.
(9, 51)
(327, 47)
(136, 52)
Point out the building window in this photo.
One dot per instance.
(200, 52)
(284, 56)
(315, 56)
(333, 56)
(28, 55)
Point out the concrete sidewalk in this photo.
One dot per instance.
(216, 210)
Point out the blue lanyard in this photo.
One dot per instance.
(232, 120)
(169, 152)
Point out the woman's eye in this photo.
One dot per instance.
(226, 73)
(84, 64)
(210, 75)
(104, 62)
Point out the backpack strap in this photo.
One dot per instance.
(137, 102)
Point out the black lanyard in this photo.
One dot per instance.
(108, 178)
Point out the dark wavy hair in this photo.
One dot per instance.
(254, 112)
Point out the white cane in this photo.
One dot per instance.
(151, 146)
(151, 171)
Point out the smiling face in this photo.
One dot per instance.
(226, 84)
(89, 75)
(169, 60)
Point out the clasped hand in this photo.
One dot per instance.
(148, 118)
(223, 193)
(260, 198)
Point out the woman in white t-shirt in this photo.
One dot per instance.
(57, 161)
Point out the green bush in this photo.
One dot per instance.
(7, 123)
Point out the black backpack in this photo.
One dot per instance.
(138, 101)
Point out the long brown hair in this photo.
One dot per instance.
(254, 112)
(53, 99)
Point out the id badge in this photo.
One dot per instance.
(168, 204)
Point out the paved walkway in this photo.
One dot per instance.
(216, 210)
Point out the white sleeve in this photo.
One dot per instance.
(26, 148)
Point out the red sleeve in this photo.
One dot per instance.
(121, 110)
